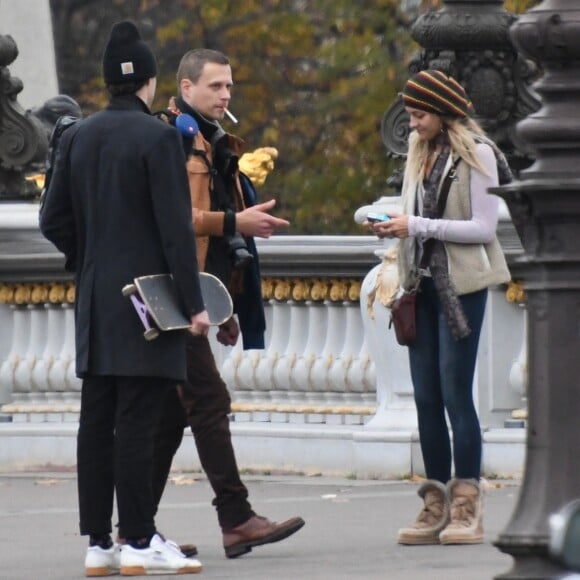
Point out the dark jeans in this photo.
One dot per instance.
(203, 403)
(442, 370)
(115, 453)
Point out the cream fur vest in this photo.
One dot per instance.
(472, 267)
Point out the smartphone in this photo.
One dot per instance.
(374, 216)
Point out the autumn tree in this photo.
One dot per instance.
(313, 78)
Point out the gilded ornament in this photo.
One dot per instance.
(267, 288)
(22, 294)
(282, 289)
(39, 293)
(319, 290)
(354, 290)
(70, 293)
(6, 293)
(515, 292)
(338, 290)
(258, 164)
(301, 290)
(56, 294)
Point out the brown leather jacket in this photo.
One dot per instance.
(206, 222)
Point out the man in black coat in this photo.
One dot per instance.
(118, 207)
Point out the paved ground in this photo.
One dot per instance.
(349, 534)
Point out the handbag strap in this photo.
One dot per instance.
(429, 244)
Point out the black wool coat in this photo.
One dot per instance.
(118, 207)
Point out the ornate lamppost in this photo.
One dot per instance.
(23, 139)
(469, 39)
(545, 208)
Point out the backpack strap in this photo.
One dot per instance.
(429, 244)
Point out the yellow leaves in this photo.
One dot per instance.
(175, 30)
(258, 164)
(271, 135)
(519, 6)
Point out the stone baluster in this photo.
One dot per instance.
(235, 368)
(336, 374)
(72, 382)
(334, 340)
(68, 354)
(57, 374)
(23, 373)
(297, 339)
(360, 374)
(302, 379)
(277, 345)
(241, 371)
(52, 347)
(518, 374)
(20, 333)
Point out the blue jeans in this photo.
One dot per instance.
(442, 371)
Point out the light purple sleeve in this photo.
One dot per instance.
(480, 229)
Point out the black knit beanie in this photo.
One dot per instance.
(435, 92)
(127, 58)
(56, 107)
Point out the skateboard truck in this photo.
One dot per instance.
(130, 291)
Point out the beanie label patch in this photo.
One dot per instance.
(127, 68)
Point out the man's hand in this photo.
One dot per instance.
(200, 324)
(256, 221)
(228, 332)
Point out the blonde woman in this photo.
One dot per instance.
(463, 261)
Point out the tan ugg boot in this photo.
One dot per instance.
(432, 519)
(466, 525)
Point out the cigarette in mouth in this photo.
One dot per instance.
(232, 118)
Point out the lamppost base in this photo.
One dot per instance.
(528, 563)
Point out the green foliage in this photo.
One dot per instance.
(312, 78)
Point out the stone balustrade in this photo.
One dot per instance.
(331, 381)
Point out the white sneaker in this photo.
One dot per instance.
(103, 562)
(158, 558)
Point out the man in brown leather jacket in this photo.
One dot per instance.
(221, 216)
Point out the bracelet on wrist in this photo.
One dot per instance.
(229, 222)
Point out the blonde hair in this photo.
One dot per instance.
(462, 134)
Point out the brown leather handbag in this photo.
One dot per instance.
(404, 308)
(404, 319)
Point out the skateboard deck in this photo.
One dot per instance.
(155, 301)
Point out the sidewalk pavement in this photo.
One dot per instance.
(350, 530)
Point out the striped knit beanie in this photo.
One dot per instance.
(435, 92)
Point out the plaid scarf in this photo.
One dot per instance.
(438, 266)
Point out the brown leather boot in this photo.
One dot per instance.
(255, 532)
(466, 525)
(188, 550)
(432, 519)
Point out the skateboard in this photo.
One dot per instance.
(155, 302)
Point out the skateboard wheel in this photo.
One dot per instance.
(129, 289)
(151, 334)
